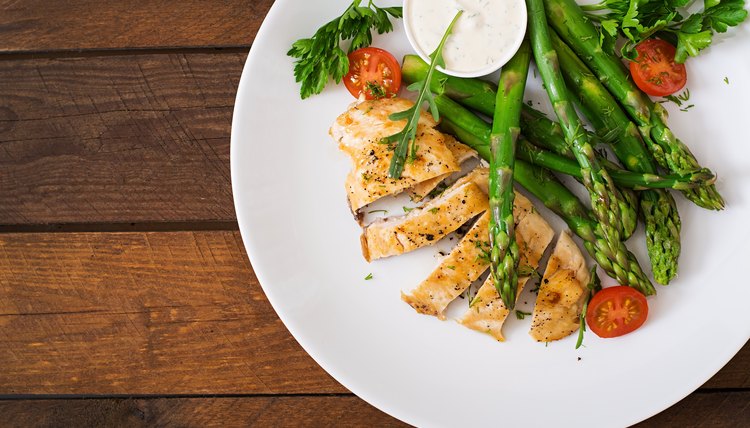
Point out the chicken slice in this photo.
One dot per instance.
(424, 225)
(561, 294)
(522, 206)
(464, 265)
(359, 132)
(487, 313)
(461, 153)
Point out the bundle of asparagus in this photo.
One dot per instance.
(576, 71)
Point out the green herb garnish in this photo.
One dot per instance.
(638, 20)
(521, 315)
(405, 147)
(593, 286)
(376, 90)
(368, 277)
(320, 57)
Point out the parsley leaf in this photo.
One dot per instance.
(638, 20)
(320, 57)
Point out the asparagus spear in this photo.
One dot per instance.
(605, 198)
(567, 18)
(480, 95)
(504, 253)
(619, 263)
(658, 208)
(625, 179)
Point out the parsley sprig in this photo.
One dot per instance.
(321, 57)
(637, 20)
(405, 138)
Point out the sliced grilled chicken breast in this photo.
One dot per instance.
(464, 265)
(359, 132)
(561, 294)
(424, 225)
(487, 312)
(461, 153)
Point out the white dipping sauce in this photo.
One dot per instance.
(488, 31)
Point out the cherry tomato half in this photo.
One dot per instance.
(374, 72)
(654, 69)
(615, 311)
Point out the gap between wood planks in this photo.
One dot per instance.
(66, 397)
(89, 53)
(31, 397)
(172, 226)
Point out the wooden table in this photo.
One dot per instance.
(126, 297)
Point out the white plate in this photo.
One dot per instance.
(288, 175)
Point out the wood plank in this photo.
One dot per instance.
(701, 410)
(117, 139)
(42, 25)
(311, 411)
(718, 410)
(155, 313)
(149, 313)
(142, 313)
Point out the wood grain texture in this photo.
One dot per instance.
(716, 410)
(325, 411)
(154, 313)
(37, 25)
(142, 313)
(117, 138)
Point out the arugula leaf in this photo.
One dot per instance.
(405, 138)
(320, 57)
(594, 286)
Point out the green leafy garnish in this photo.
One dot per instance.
(320, 57)
(405, 138)
(638, 20)
(521, 315)
(593, 286)
(368, 277)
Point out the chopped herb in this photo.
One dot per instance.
(726, 80)
(376, 90)
(407, 209)
(437, 190)
(368, 277)
(521, 315)
(679, 99)
(528, 271)
(366, 176)
(687, 107)
(377, 211)
(451, 267)
(434, 210)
